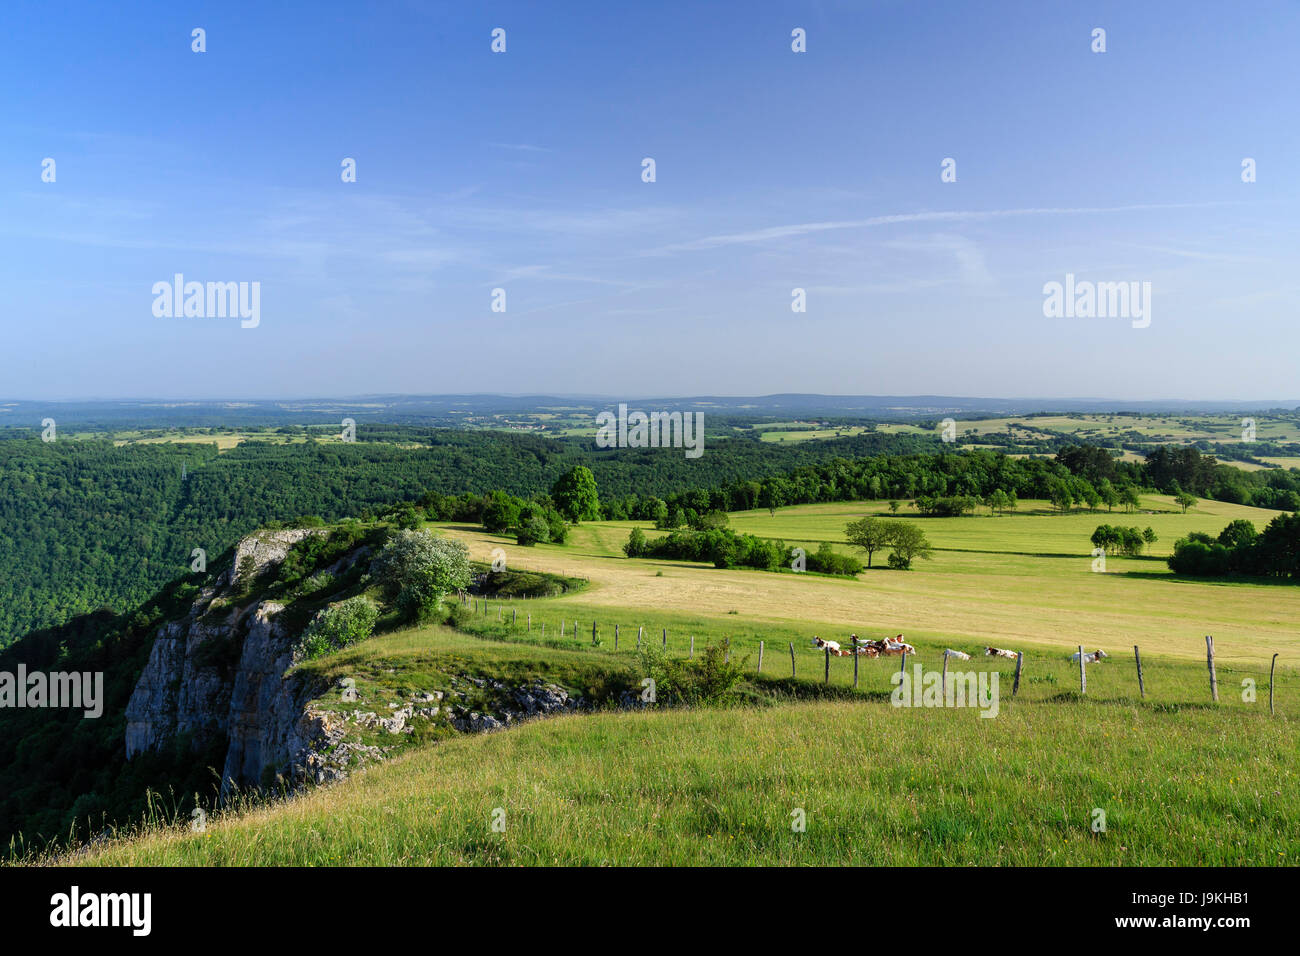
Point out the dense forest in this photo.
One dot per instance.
(85, 525)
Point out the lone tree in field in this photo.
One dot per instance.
(1185, 501)
(908, 542)
(575, 495)
(869, 534)
(770, 497)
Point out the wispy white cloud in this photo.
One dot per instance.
(808, 228)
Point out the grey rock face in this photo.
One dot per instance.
(188, 685)
(219, 674)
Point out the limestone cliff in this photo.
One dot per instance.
(220, 673)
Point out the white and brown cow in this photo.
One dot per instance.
(897, 645)
(832, 646)
(999, 652)
(1094, 658)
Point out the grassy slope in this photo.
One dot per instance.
(879, 785)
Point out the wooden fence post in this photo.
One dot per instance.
(1083, 674)
(639, 632)
(902, 665)
(530, 624)
(615, 637)
(792, 673)
(1209, 662)
(514, 616)
(561, 627)
(692, 646)
(854, 642)
(1142, 687)
(1020, 662)
(943, 681)
(760, 657)
(665, 637)
(1271, 669)
(828, 665)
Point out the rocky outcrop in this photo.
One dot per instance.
(221, 674)
(537, 699)
(264, 705)
(258, 551)
(214, 674)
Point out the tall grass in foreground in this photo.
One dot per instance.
(878, 785)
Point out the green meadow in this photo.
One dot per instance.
(798, 776)
(1021, 580)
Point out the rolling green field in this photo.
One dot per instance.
(875, 784)
(1018, 580)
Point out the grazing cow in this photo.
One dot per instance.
(998, 652)
(1094, 658)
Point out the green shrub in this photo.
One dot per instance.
(707, 679)
(339, 626)
(533, 531)
(828, 561)
(636, 545)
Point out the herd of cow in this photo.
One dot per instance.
(866, 648)
(896, 645)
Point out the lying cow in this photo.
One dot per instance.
(898, 646)
(887, 646)
(864, 648)
(957, 654)
(1093, 658)
(999, 652)
(832, 646)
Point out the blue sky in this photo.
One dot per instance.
(775, 170)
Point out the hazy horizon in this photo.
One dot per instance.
(1073, 400)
